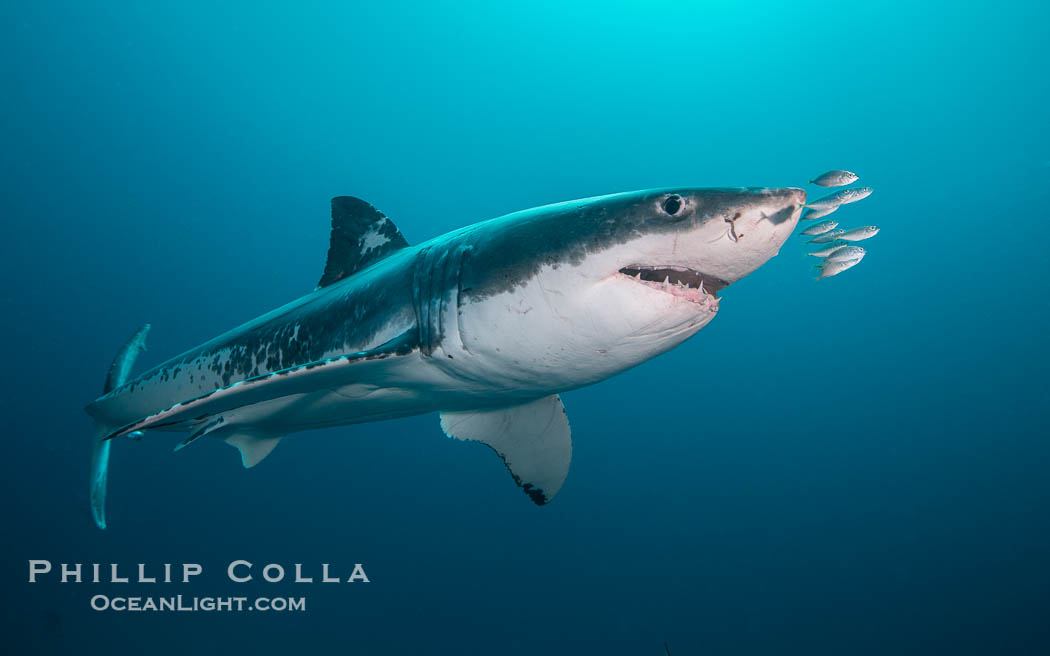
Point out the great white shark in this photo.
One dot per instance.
(486, 325)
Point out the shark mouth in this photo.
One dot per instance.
(685, 283)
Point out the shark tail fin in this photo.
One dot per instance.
(117, 375)
(99, 475)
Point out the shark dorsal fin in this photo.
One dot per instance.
(361, 235)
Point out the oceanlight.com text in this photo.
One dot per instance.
(182, 603)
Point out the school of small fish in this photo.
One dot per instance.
(820, 228)
(837, 252)
(827, 236)
(835, 179)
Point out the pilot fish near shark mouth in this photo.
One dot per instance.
(485, 325)
(681, 282)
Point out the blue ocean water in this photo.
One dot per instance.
(855, 466)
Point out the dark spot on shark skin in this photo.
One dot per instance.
(339, 319)
(535, 493)
(394, 346)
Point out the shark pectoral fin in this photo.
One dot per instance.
(253, 445)
(533, 439)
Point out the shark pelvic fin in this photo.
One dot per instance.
(533, 439)
(361, 236)
(253, 445)
(206, 428)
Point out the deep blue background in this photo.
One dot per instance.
(854, 466)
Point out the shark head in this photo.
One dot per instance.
(692, 243)
(612, 281)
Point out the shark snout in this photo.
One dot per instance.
(789, 202)
(789, 194)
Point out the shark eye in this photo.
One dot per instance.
(672, 204)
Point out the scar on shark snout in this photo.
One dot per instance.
(732, 227)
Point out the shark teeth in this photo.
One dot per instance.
(680, 282)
